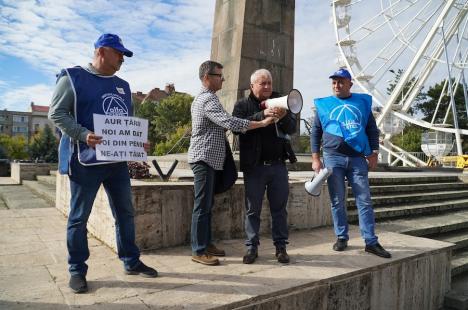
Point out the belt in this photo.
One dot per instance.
(271, 162)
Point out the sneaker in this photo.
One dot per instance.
(282, 255)
(214, 251)
(142, 270)
(340, 245)
(205, 259)
(250, 256)
(78, 284)
(378, 250)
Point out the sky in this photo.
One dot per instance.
(169, 38)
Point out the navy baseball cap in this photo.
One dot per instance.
(342, 73)
(112, 40)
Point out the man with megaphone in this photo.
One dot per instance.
(350, 148)
(263, 153)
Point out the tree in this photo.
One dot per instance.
(171, 113)
(168, 119)
(428, 106)
(181, 137)
(44, 146)
(409, 139)
(15, 147)
(419, 98)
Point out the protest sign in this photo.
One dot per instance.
(123, 137)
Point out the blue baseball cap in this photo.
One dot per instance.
(112, 40)
(342, 73)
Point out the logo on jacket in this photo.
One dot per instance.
(349, 118)
(113, 104)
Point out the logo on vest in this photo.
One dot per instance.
(113, 104)
(349, 118)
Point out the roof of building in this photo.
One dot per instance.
(39, 108)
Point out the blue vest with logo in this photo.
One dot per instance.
(94, 94)
(347, 118)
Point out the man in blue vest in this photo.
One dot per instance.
(350, 148)
(80, 92)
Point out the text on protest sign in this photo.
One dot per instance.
(123, 137)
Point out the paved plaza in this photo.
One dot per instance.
(33, 268)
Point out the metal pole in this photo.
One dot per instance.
(452, 98)
(465, 94)
(419, 54)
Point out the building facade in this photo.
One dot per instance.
(26, 124)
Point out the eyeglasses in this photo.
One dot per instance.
(217, 74)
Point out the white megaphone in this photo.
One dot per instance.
(314, 186)
(291, 102)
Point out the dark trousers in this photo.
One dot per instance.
(84, 184)
(204, 178)
(274, 179)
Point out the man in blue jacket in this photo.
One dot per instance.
(350, 148)
(80, 92)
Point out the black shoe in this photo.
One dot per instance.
(340, 245)
(78, 284)
(142, 270)
(250, 256)
(378, 250)
(282, 255)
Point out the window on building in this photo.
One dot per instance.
(20, 119)
(20, 129)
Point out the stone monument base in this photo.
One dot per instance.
(163, 212)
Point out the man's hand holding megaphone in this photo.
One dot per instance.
(276, 112)
(316, 163)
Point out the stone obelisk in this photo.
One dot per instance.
(249, 35)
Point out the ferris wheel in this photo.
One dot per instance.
(425, 41)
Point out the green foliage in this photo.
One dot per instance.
(409, 139)
(428, 106)
(303, 145)
(419, 98)
(15, 147)
(44, 145)
(168, 120)
(163, 148)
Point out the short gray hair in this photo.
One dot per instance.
(258, 73)
(208, 67)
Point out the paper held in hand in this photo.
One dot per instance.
(123, 137)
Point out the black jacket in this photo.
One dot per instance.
(250, 142)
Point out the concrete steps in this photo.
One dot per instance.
(47, 179)
(21, 197)
(397, 199)
(422, 226)
(388, 190)
(459, 263)
(405, 210)
(459, 238)
(32, 194)
(434, 207)
(43, 189)
(414, 180)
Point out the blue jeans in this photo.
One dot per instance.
(204, 179)
(84, 184)
(355, 169)
(274, 179)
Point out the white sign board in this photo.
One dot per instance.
(122, 137)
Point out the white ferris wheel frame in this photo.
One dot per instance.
(388, 105)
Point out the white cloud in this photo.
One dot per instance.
(169, 40)
(19, 99)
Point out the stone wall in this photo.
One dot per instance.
(29, 171)
(163, 212)
(411, 283)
